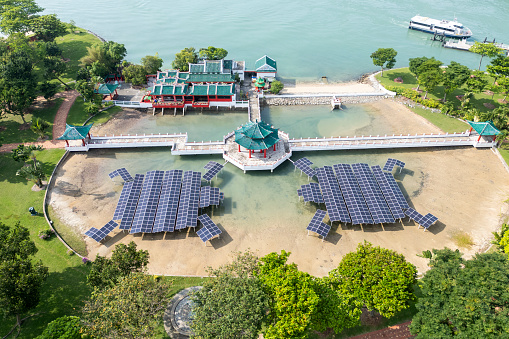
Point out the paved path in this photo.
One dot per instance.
(391, 332)
(58, 124)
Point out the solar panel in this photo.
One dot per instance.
(185, 196)
(317, 225)
(303, 165)
(372, 194)
(389, 165)
(388, 193)
(397, 191)
(168, 202)
(147, 203)
(221, 196)
(212, 171)
(132, 201)
(311, 192)
(412, 214)
(100, 234)
(209, 229)
(122, 201)
(123, 174)
(299, 192)
(332, 197)
(194, 200)
(359, 211)
(423, 220)
(205, 196)
(209, 165)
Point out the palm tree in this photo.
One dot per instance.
(39, 127)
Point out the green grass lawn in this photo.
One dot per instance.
(77, 115)
(10, 124)
(445, 123)
(504, 152)
(410, 82)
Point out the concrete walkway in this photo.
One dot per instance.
(58, 124)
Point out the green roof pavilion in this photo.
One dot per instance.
(75, 133)
(257, 136)
(259, 83)
(484, 128)
(106, 89)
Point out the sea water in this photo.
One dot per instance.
(309, 39)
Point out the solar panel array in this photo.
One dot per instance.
(213, 168)
(99, 234)
(122, 201)
(189, 200)
(372, 194)
(352, 194)
(132, 202)
(209, 229)
(389, 165)
(317, 225)
(388, 193)
(123, 174)
(168, 202)
(303, 164)
(332, 197)
(423, 220)
(311, 192)
(396, 190)
(147, 203)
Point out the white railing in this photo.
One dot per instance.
(129, 103)
(381, 137)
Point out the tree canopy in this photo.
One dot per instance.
(16, 15)
(132, 308)
(454, 76)
(135, 74)
(485, 49)
(384, 57)
(104, 59)
(48, 27)
(124, 260)
(233, 304)
(184, 58)
(21, 278)
(466, 299)
(499, 67)
(379, 278)
(66, 327)
(213, 53)
(152, 63)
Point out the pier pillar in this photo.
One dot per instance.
(265, 153)
(162, 111)
(239, 148)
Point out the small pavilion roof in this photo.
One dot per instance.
(484, 128)
(75, 132)
(266, 63)
(256, 135)
(260, 82)
(105, 88)
(257, 130)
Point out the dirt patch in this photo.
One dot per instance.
(488, 105)
(24, 127)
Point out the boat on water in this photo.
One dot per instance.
(448, 28)
(335, 102)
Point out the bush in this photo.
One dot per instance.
(276, 87)
(46, 234)
(66, 327)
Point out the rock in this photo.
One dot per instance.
(399, 80)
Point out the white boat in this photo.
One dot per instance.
(448, 28)
(335, 102)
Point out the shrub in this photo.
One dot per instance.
(46, 234)
(276, 87)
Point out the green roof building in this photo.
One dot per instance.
(257, 136)
(73, 132)
(486, 128)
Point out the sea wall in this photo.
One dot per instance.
(322, 100)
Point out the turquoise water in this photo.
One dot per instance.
(308, 39)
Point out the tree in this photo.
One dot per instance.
(21, 278)
(104, 59)
(427, 65)
(384, 56)
(413, 65)
(47, 27)
(55, 68)
(130, 309)
(66, 327)
(152, 64)
(429, 80)
(135, 74)
(379, 278)
(466, 299)
(48, 89)
(125, 259)
(477, 82)
(485, 49)
(184, 58)
(503, 83)
(454, 76)
(213, 53)
(16, 15)
(276, 86)
(499, 67)
(86, 90)
(24, 153)
(33, 172)
(233, 304)
(39, 126)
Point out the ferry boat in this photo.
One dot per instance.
(448, 28)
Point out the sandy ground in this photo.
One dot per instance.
(464, 187)
(326, 88)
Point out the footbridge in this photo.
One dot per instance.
(179, 145)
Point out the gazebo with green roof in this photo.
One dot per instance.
(259, 83)
(486, 128)
(75, 133)
(257, 136)
(106, 89)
